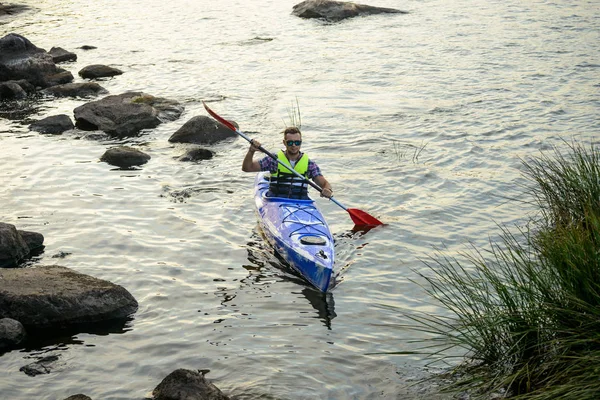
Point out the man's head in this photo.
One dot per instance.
(292, 139)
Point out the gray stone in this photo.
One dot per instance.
(184, 384)
(197, 154)
(58, 297)
(21, 59)
(13, 248)
(337, 10)
(61, 55)
(125, 157)
(11, 90)
(126, 114)
(54, 125)
(12, 333)
(79, 89)
(41, 366)
(99, 71)
(202, 130)
(34, 240)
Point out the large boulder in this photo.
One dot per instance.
(21, 59)
(337, 10)
(202, 130)
(184, 384)
(57, 297)
(126, 114)
(13, 248)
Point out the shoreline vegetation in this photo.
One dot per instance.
(526, 313)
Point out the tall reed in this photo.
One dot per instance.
(527, 311)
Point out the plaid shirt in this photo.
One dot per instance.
(269, 164)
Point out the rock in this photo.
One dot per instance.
(61, 55)
(84, 89)
(41, 366)
(34, 240)
(58, 297)
(11, 90)
(11, 9)
(15, 90)
(197, 154)
(78, 397)
(126, 114)
(337, 10)
(184, 384)
(13, 248)
(21, 59)
(54, 125)
(99, 71)
(202, 130)
(12, 333)
(87, 47)
(125, 157)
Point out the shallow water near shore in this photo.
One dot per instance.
(419, 119)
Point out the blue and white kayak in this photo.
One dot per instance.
(298, 232)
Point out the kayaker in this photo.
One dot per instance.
(283, 182)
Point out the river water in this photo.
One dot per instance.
(420, 119)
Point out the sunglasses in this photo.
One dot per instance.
(293, 142)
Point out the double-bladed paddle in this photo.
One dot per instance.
(359, 217)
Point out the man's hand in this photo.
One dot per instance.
(327, 192)
(254, 145)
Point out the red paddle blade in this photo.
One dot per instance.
(360, 217)
(219, 118)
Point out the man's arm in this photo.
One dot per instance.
(325, 185)
(249, 164)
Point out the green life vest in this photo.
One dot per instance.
(284, 183)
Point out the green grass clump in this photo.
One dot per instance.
(527, 312)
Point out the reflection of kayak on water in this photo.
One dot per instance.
(298, 232)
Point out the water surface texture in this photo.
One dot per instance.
(420, 119)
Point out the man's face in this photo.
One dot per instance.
(292, 143)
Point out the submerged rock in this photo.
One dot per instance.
(197, 154)
(42, 366)
(125, 157)
(337, 10)
(184, 384)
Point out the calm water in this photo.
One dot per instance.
(419, 119)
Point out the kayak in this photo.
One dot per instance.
(298, 232)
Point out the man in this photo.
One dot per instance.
(283, 182)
